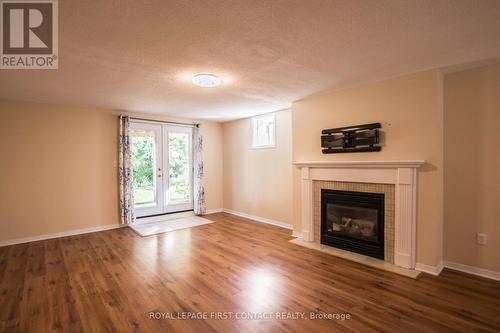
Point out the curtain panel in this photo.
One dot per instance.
(125, 172)
(198, 189)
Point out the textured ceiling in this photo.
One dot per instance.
(139, 55)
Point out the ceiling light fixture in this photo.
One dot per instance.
(206, 80)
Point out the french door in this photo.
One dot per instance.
(162, 168)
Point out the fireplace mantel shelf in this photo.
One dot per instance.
(361, 164)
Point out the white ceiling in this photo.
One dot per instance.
(139, 55)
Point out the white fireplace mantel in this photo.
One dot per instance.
(401, 173)
(361, 164)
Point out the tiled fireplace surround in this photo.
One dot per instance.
(386, 189)
(396, 179)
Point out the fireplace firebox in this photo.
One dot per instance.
(353, 221)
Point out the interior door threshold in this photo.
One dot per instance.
(164, 217)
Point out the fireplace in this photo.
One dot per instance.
(353, 221)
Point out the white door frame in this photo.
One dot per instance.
(157, 207)
(161, 170)
(177, 206)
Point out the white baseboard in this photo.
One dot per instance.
(297, 234)
(59, 234)
(259, 219)
(433, 270)
(473, 270)
(436, 270)
(213, 211)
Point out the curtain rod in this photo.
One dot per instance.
(163, 121)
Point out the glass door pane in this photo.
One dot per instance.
(146, 168)
(178, 143)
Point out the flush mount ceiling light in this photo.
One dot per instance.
(206, 80)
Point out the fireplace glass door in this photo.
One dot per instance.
(353, 221)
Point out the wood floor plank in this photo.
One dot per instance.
(117, 281)
(64, 316)
(12, 288)
(35, 305)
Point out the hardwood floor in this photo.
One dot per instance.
(114, 281)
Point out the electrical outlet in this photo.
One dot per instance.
(481, 239)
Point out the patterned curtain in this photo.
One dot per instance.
(125, 172)
(198, 189)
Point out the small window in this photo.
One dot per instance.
(264, 132)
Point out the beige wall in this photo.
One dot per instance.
(472, 166)
(57, 168)
(411, 113)
(258, 181)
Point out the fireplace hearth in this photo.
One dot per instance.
(353, 221)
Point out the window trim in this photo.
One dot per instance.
(253, 131)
